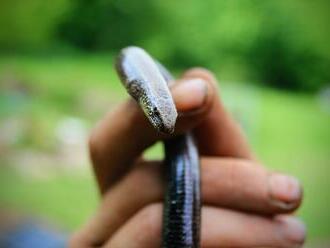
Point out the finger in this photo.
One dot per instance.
(246, 185)
(220, 228)
(231, 183)
(219, 134)
(140, 187)
(123, 134)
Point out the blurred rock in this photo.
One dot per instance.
(97, 102)
(12, 130)
(72, 134)
(69, 155)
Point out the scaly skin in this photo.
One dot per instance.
(147, 82)
(143, 81)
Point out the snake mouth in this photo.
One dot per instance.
(158, 122)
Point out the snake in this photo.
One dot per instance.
(147, 81)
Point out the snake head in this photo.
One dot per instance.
(145, 82)
(160, 114)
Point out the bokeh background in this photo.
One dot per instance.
(57, 79)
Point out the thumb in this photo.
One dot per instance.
(219, 134)
(123, 134)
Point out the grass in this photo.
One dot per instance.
(288, 131)
(64, 200)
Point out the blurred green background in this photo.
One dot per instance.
(57, 79)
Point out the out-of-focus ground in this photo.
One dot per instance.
(49, 104)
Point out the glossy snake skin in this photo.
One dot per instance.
(147, 82)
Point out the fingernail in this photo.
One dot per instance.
(190, 94)
(294, 230)
(285, 189)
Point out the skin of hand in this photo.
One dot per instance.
(244, 204)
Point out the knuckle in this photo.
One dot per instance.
(237, 172)
(148, 173)
(250, 182)
(151, 219)
(244, 181)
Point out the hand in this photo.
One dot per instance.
(244, 204)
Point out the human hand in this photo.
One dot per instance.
(244, 204)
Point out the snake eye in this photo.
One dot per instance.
(156, 119)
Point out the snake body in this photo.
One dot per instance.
(147, 81)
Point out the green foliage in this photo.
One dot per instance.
(99, 25)
(276, 42)
(261, 40)
(26, 25)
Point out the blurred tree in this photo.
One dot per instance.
(276, 42)
(263, 40)
(285, 54)
(26, 25)
(105, 24)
